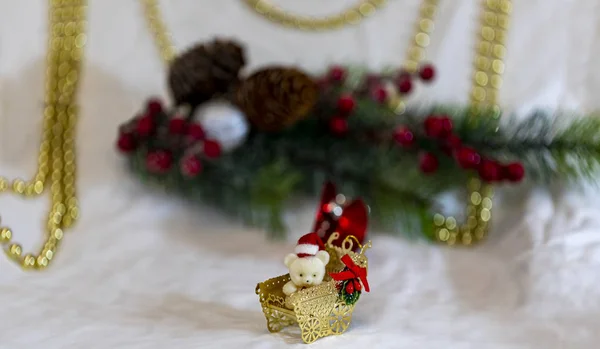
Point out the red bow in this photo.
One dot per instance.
(353, 273)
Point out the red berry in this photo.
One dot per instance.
(145, 126)
(126, 143)
(159, 161)
(451, 144)
(372, 79)
(212, 149)
(337, 73)
(346, 104)
(428, 163)
(467, 158)
(446, 126)
(403, 74)
(349, 287)
(427, 72)
(176, 126)
(454, 141)
(490, 171)
(514, 172)
(438, 127)
(323, 83)
(196, 132)
(357, 286)
(434, 127)
(338, 125)
(154, 106)
(404, 137)
(379, 94)
(404, 84)
(191, 166)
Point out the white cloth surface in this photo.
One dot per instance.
(143, 270)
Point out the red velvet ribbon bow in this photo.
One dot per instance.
(353, 273)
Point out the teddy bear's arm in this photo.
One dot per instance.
(289, 288)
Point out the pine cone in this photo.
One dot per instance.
(276, 98)
(205, 71)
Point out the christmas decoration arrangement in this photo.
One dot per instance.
(326, 276)
(487, 79)
(280, 132)
(250, 144)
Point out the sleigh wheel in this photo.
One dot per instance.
(340, 318)
(277, 321)
(311, 330)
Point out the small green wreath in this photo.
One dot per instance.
(348, 293)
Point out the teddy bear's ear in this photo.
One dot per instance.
(289, 259)
(323, 256)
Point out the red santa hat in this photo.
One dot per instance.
(308, 245)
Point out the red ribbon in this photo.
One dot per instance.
(354, 272)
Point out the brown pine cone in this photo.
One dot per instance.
(205, 71)
(276, 98)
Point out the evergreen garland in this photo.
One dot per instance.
(256, 180)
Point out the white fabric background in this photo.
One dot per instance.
(141, 270)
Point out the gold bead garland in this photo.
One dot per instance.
(352, 16)
(416, 49)
(421, 39)
(162, 38)
(487, 80)
(56, 159)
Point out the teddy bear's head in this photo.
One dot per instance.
(307, 271)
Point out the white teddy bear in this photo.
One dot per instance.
(307, 264)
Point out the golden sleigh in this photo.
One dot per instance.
(319, 311)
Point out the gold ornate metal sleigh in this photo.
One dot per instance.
(321, 310)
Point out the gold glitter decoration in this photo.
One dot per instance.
(318, 311)
(56, 158)
(351, 16)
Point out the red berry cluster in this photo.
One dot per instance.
(374, 86)
(155, 122)
(352, 286)
(440, 129)
(338, 124)
(404, 81)
(196, 143)
(139, 128)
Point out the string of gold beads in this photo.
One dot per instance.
(161, 35)
(416, 51)
(487, 80)
(56, 158)
(351, 16)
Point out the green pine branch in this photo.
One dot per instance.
(257, 180)
(552, 147)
